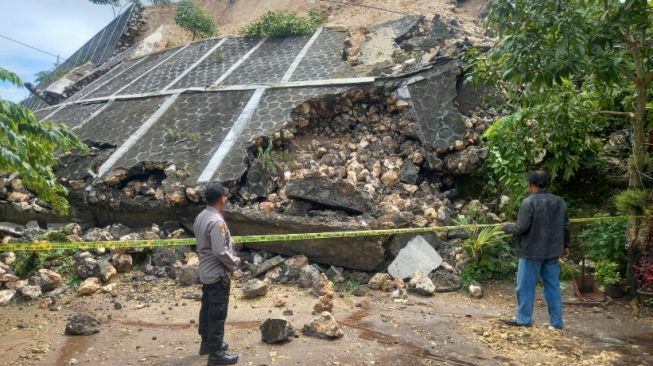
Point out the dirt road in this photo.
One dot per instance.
(156, 326)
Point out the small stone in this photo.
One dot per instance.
(324, 326)
(399, 293)
(117, 306)
(82, 324)
(475, 290)
(359, 291)
(276, 330)
(391, 285)
(288, 312)
(254, 288)
(279, 302)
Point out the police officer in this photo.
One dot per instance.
(217, 263)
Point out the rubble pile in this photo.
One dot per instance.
(360, 153)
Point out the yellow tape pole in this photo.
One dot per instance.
(249, 239)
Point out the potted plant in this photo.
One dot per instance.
(644, 276)
(607, 273)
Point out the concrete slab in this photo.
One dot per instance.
(418, 255)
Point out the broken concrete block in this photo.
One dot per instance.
(338, 194)
(267, 265)
(418, 255)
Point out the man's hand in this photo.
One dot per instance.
(565, 253)
(503, 227)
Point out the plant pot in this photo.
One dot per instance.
(645, 297)
(613, 291)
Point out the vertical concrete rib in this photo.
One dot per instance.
(238, 63)
(133, 139)
(191, 67)
(148, 71)
(300, 56)
(232, 136)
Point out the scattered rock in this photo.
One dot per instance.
(6, 296)
(421, 284)
(359, 291)
(197, 296)
(105, 271)
(30, 292)
(418, 255)
(279, 302)
(8, 258)
(188, 275)
(122, 262)
(309, 276)
(254, 288)
(399, 293)
(393, 284)
(276, 330)
(86, 265)
(288, 312)
(378, 280)
(82, 324)
(475, 290)
(323, 326)
(49, 280)
(89, 286)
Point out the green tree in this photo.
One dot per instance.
(593, 60)
(29, 147)
(567, 67)
(195, 20)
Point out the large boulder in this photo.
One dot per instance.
(82, 324)
(418, 255)
(334, 193)
(323, 326)
(276, 330)
(400, 241)
(466, 161)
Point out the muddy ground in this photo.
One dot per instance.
(156, 326)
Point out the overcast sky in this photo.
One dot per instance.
(59, 27)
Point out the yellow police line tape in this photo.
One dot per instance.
(43, 246)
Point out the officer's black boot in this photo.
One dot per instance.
(205, 351)
(222, 358)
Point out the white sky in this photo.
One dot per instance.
(59, 27)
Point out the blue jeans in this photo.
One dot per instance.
(530, 270)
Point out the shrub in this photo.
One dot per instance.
(490, 255)
(568, 270)
(283, 23)
(605, 241)
(195, 20)
(607, 272)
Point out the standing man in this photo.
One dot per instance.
(217, 263)
(543, 238)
